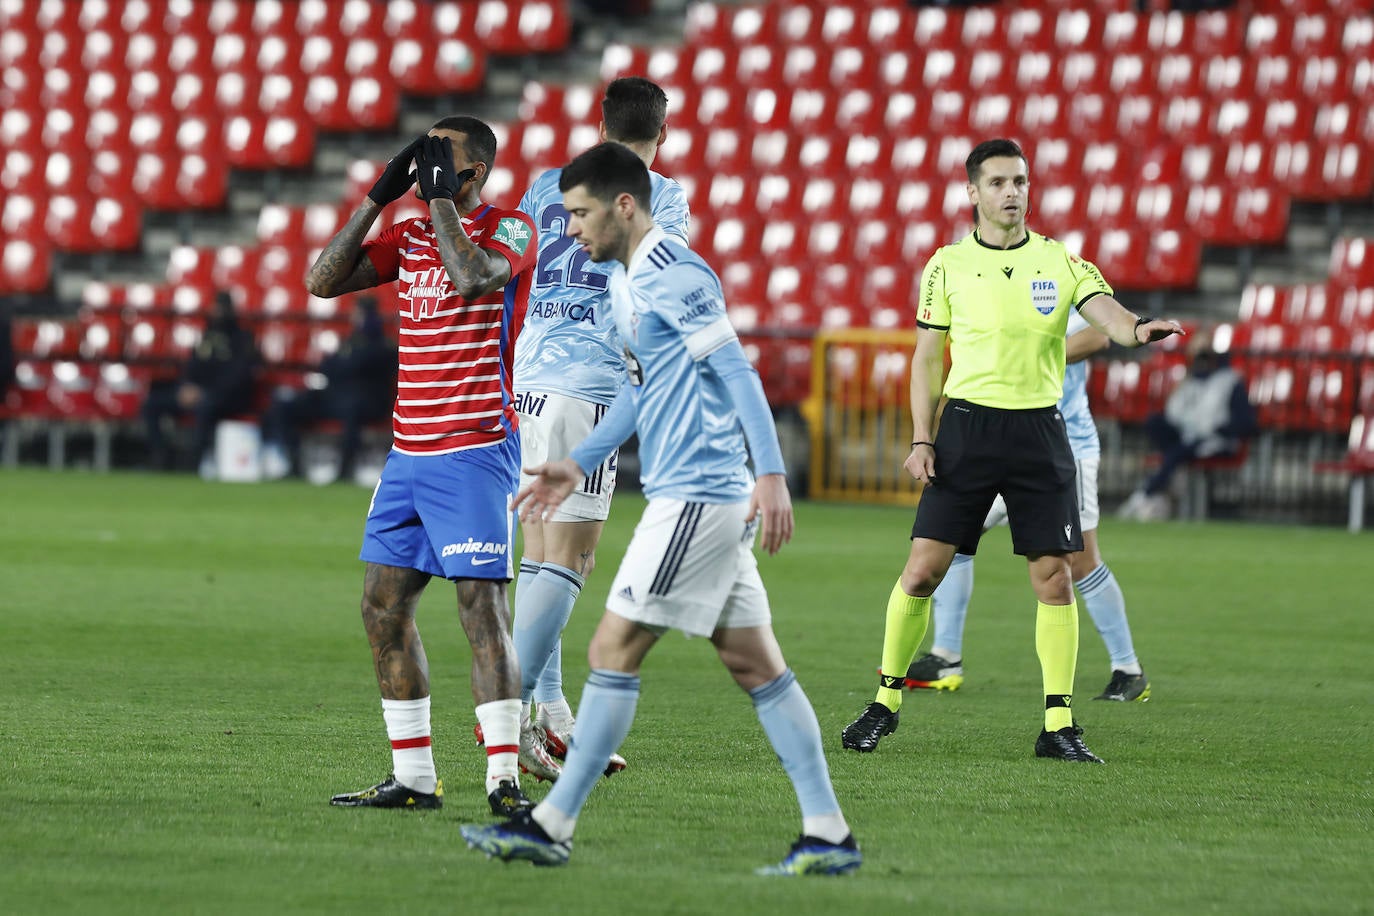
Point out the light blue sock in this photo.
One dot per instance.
(951, 606)
(528, 570)
(524, 581)
(550, 686)
(603, 720)
(790, 723)
(1107, 607)
(542, 609)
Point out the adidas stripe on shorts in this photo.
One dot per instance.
(691, 567)
(551, 426)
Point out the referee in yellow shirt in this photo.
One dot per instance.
(1002, 296)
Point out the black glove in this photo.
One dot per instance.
(397, 177)
(435, 170)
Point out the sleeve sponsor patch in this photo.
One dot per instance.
(514, 233)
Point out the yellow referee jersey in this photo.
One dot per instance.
(1006, 312)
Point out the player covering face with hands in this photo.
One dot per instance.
(441, 507)
(694, 400)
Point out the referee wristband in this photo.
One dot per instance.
(931, 444)
(1143, 319)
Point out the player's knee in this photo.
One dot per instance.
(1082, 563)
(919, 581)
(383, 616)
(1053, 585)
(482, 608)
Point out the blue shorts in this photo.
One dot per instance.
(446, 515)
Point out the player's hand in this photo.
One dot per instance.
(435, 170)
(397, 177)
(552, 483)
(1157, 329)
(921, 462)
(773, 502)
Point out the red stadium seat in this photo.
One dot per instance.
(1352, 263)
(1035, 73)
(1059, 208)
(1358, 464)
(120, 390)
(421, 68)
(1174, 259)
(101, 336)
(283, 343)
(1217, 33)
(1186, 118)
(1324, 79)
(27, 397)
(1159, 206)
(1267, 35)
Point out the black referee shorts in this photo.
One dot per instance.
(1022, 454)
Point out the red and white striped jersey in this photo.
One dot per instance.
(453, 388)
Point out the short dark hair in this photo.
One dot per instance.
(479, 144)
(634, 109)
(990, 149)
(607, 171)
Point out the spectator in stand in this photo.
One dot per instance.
(216, 382)
(1207, 415)
(354, 385)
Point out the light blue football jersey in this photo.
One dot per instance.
(670, 312)
(1073, 406)
(569, 344)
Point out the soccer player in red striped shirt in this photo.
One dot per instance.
(442, 507)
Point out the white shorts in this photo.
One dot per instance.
(691, 567)
(1088, 513)
(551, 426)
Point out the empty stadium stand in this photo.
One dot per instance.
(821, 143)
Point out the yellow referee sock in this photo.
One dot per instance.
(907, 618)
(1056, 642)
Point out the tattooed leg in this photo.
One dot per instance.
(390, 595)
(485, 615)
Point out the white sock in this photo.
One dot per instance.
(500, 720)
(556, 824)
(412, 752)
(948, 655)
(829, 827)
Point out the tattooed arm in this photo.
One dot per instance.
(341, 267)
(473, 271)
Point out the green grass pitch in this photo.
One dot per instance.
(186, 681)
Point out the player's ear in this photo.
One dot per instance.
(972, 190)
(662, 134)
(625, 204)
(603, 131)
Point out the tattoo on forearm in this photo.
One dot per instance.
(340, 267)
(468, 266)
